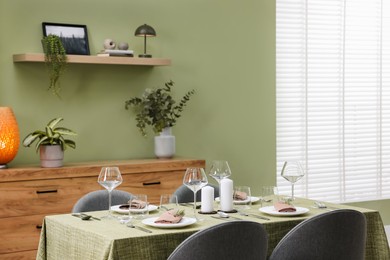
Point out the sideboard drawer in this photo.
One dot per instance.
(20, 233)
(152, 184)
(34, 197)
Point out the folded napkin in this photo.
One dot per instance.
(240, 195)
(284, 207)
(170, 217)
(137, 204)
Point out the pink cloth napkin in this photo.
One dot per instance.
(169, 217)
(240, 195)
(284, 207)
(137, 204)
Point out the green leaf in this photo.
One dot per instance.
(49, 131)
(70, 143)
(43, 141)
(54, 122)
(64, 131)
(29, 139)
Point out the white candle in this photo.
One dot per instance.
(226, 195)
(207, 199)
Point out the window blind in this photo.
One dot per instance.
(333, 97)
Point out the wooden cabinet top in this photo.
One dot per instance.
(83, 169)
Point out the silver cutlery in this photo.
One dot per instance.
(139, 228)
(320, 205)
(253, 215)
(221, 218)
(84, 216)
(189, 205)
(225, 215)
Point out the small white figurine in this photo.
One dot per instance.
(109, 44)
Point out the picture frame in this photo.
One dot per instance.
(74, 37)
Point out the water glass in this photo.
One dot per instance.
(242, 197)
(168, 202)
(138, 206)
(269, 195)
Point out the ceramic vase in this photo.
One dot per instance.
(164, 144)
(52, 156)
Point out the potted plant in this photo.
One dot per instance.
(55, 60)
(51, 143)
(158, 109)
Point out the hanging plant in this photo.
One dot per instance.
(55, 59)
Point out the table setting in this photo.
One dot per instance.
(154, 231)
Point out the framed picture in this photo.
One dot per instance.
(74, 37)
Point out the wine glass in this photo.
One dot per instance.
(219, 170)
(195, 179)
(292, 172)
(110, 178)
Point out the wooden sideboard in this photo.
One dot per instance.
(30, 193)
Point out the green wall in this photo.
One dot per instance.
(224, 49)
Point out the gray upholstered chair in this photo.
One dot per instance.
(98, 200)
(336, 235)
(229, 240)
(184, 194)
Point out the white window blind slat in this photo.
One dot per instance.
(333, 97)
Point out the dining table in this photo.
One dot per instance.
(68, 237)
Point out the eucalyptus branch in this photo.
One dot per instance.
(157, 108)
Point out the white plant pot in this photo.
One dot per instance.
(52, 156)
(164, 144)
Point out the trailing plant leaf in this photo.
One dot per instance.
(157, 108)
(55, 60)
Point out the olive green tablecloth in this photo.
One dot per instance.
(68, 237)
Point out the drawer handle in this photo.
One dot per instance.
(38, 226)
(46, 191)
(151, 183)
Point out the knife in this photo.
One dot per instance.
(257, 216)
(226, 219)
(139, 228)
(190, 205)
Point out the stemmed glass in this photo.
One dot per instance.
(195, 179)
(110, 178)
(219, 170)
(292, 172)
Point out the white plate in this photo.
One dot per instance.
(272, 211)
(253, 200)
(183, 223)
(126, 211)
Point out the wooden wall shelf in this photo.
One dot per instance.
(85, 59)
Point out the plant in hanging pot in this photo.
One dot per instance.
(158, 109)
(51, 143)
(55, 60)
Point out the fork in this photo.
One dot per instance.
(139, 228)
(321, 205)
(252, 215)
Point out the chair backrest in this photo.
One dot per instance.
(98, 200)
(336, 235)
(184, 194)
(229, 240)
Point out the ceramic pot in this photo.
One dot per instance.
(164, 144)
(52, 156)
